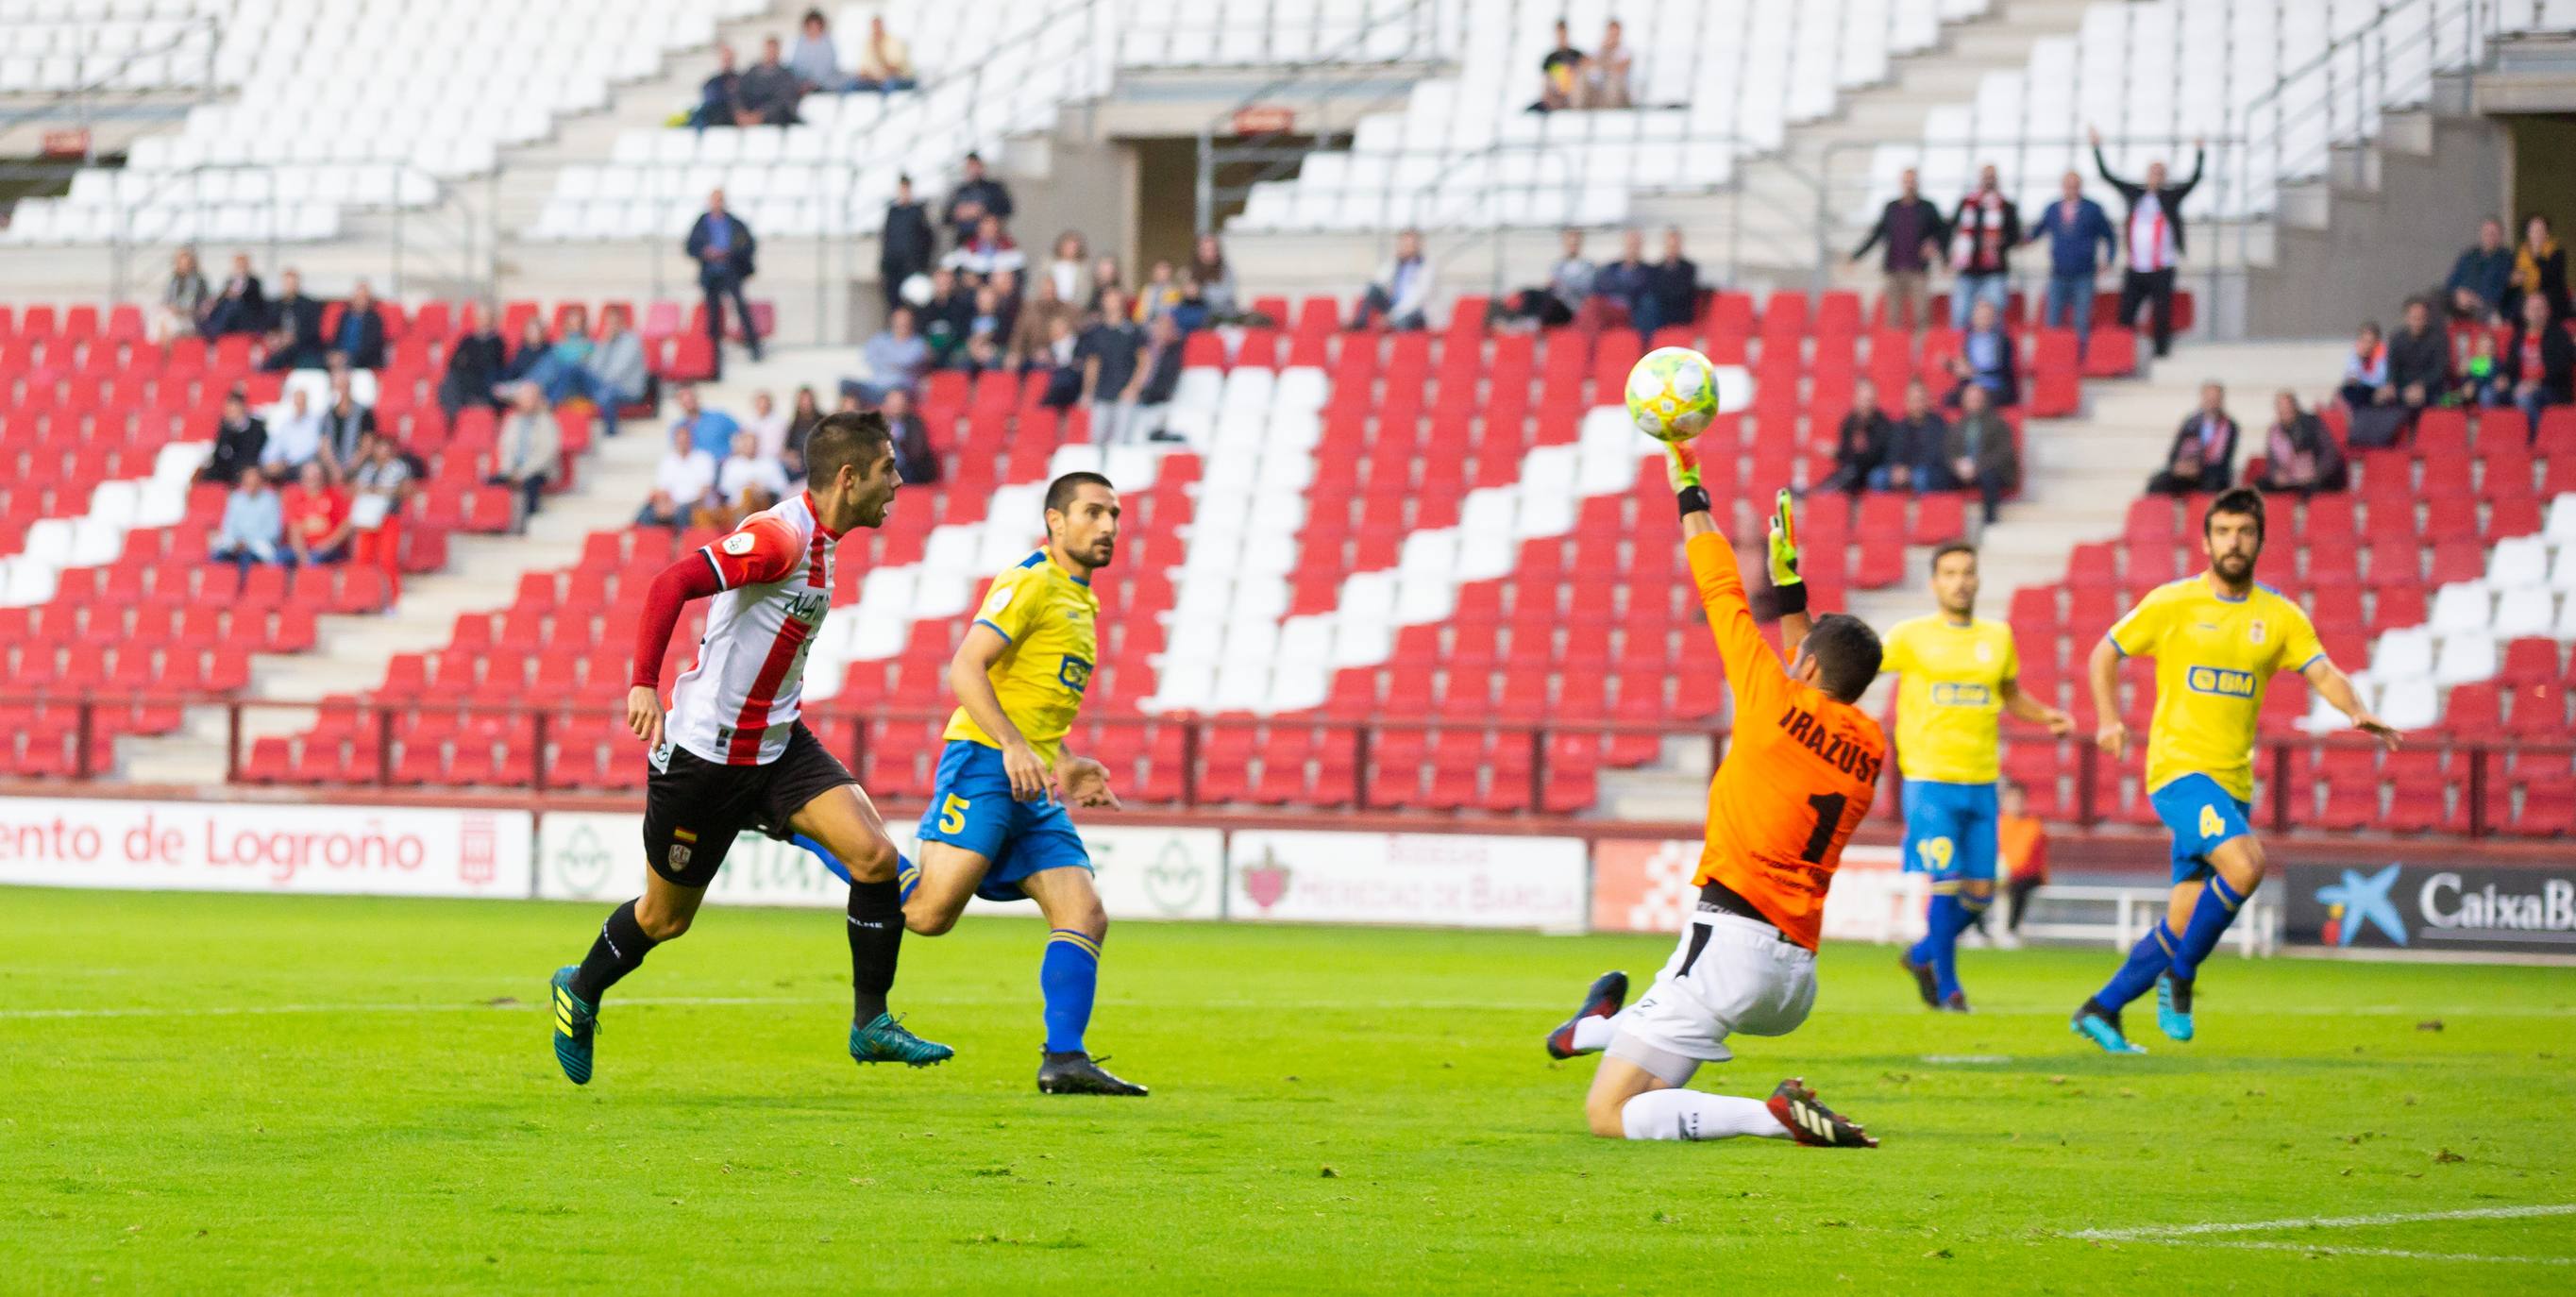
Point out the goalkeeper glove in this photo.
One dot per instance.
(1682, 467)
(1788, 589)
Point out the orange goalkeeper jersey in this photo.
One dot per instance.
(1798, 775)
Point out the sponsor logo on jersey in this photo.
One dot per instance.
(2221, 681)
(1960, 693)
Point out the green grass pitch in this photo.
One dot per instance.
(255, 1094)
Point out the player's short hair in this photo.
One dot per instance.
(855, 438)
(1060, 492)
(1948, 548)
(2243, 501)
(1847, 653)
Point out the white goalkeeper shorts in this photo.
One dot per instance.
(1727, 974)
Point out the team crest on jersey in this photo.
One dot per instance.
(2254, 631)
(679, 858)
(1985, 651)
(1075, 673)
(738, 544)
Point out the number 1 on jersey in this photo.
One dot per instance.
(1829, 816)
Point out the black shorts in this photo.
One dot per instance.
(694, 808)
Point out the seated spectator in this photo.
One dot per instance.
(476, 363)
(254, 526)
(1621, 285)
(2482, 375)
(2481, 277)
(2540, 266)
(1161, 293)
(2540, 363)
(360, 339)
(240, 306)
(720, 99)
(767, 426)
(2365, 371)
(1217, 287)
(1982, 457)
(529, 454)
(2203, 456)
(1861, 442)
(943, 321)
(562, 371)
(377, 491)
(988, 252)
(1402, 291)
(1160, 376)
(801, 420)
(682, 484)
(1110, 353)
(2299, 453)
(916, 461)
(1604, 83)
(1189, 306)
(294, 327)
(1915, 445)
(615, 376)
(2419, 359)
(768, 92)
(746, 483)
(294, 438)
(1005, 284)
(1671, 292)
(1065, 271)
(885, 62)
(984, 333)
(346, 425)
(241, 442)
(1105, 275)
(816, 61)
(527, 356)
(1035, 327)
(183, 300)
(1569, 282)
(1559, 73)
(1062, 359)
(896, 357)
(977, 196)
(317, 519)
(1985, 359)
(709, 430)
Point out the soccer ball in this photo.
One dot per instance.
(1672, 394)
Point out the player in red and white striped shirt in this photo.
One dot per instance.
(732, 754)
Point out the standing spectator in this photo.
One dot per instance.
(360, 339)
(896, 357)
(1982, 237)
(1559, 72)
(1065, 271)
(989, 252)
(906, 246)
(2299, 453)
(720, 99)
(2540, 365)
(377, 491)
(768, 92)
(2481, 277)
(2540, 266)
(976, 197)
(241, 442)
(2419, 358)
(1861, 442)
(681, 484)
(2074, 225)
(767, 426)
(1569, 282)
(1915, 446)
(475, 363)
(709, 430)
(816, 61)
(1671, 292)
(2153, 234)
(294, 327)
(747, 483)
(183, 300)
(530, 452)
(317, 520)
(1402, 291)
(1035, 327)
(614, 376)
(1982, 457)
(294, 438)
(724, 250)
(2021, 844)
(1605, 75)
(1985, 360)
(801, 420)
(254, 526)
(885, 62)
(2203, 455)
(916, 461)
(2365, 371)
(1621, 285)
(346, 425)
(1913, 231)
(241, 306)
(1216, 282)
(1109, 352)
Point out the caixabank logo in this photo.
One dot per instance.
(2434, 907)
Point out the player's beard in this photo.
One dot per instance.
(2233, 568)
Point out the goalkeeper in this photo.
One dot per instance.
(1798, 777)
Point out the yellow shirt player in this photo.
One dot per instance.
(2217, 638)
(997, 826)
(1957, 674)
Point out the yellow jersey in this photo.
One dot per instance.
(2214, 656)
(1050, 617)
(1950, 696)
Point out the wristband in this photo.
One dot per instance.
(1692, 499)
(1790, 599)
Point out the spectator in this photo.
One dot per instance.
(1671, 292)
(768, 92)
(2482, 375)
(530, 451)
(709, 430)
(360, 339)
(1063, 361)
(1402, 291)
(905, 248)
(1985, 358)
(896, 357)
(615, 376)
(2203, 455)
(816, 61)
(1005, 284)
(2365, 371)
(2419, 358)
(528, 358)
(885, 62)
(1913, 231)
(1622, 283)
(720, 99)
(916, 461)
(2540, 266)
(767, 426)
(1065, 271)
(2075, 225)
(1189, 304)
(944, 319)
(1160, 295)
(1982, 457)
(2481, 277)
(346, 425)
(1982, 237)
(801, 420)
(1035, 327)
(985, 332)
(1861, 442)
(563, 370)
(376, 494)
(1105, 275)
(747, 483)
(294, 327)
(1604, 83)
(1216, 283)
(317, 520)
(294, 438)
(2021, 843)
(1559, 71)
(989, 252)
(2540, 364)
(241, 442)
(1915, 446)
(183, 300)
(2153, 234)
(475, 365)
(1569, 282)
(1161, 376)
(976, 197)
(1109, 352)
(240, 307)
(2299, 453)
(681, 484)
(254, 526)
(724, 250)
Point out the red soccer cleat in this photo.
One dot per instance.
(1608, 993)
(1812, 1123)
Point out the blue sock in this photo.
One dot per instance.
(906, 874)
(2209, 920)
(830, 861)
(1937, 929)
(1945, 964)
(1068, 976)
(2147, 959)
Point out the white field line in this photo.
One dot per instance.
(2167, 1233)
(2399, 1253)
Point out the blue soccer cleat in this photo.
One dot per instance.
(2173, 1006)
(2102, 1027)
(1606, 995)
(575, 1023)
(886, 1040)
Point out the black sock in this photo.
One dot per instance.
(876, 939)
(620, 950)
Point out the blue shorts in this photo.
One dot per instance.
(2202, 816)
(1950, 830)
(971, 807)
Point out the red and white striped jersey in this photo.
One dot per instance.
(738, 701)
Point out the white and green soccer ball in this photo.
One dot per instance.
(1672, 394)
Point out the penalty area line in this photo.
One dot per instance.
(252, 1010)
(2173, 1233)
(2402, 1254)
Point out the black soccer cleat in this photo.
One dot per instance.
(1606, 996)
(1812, 1123)
(1078, 1073)
(1924, 983)
(1957, 1003)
